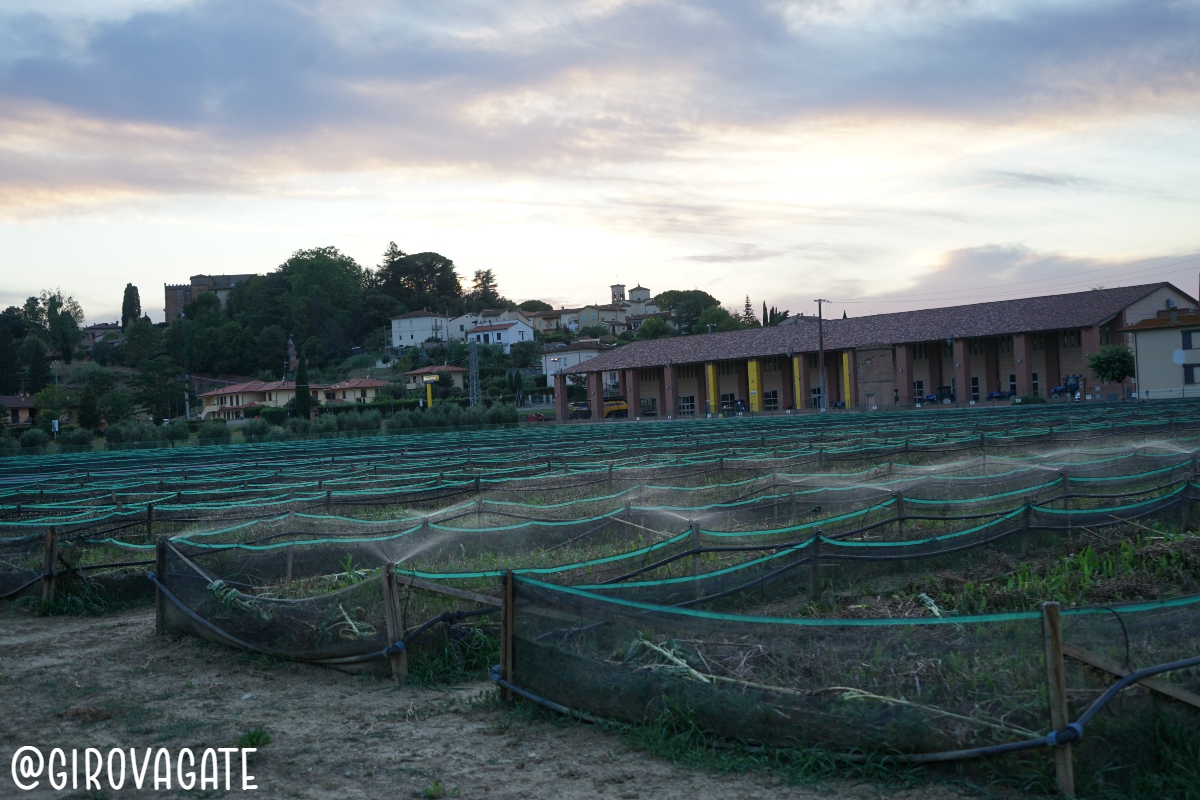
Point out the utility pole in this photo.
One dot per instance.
(473, 391)
(821, 348)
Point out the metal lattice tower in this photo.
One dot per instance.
(473, 391)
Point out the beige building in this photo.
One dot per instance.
(1166, 352)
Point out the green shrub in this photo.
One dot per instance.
(132, 432)
(324, 425)
(256, 430)
(501, 413)
(277, 434)
(75, 439)
(359, 421)
(1032, 398)
(214, 431)
(178, 431)
(299, 427)
(275, 416)
(34, 439)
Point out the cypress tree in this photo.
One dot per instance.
(89, 410)
(303, 395)
(131, 306)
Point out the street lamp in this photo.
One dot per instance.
(821, 348)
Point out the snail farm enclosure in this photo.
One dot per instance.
(1018, 583)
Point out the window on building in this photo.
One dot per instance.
(1105, 335)
(330, 396)
(918, 389)
(814, 360)
(727, 401)
(771, 400)
(814, 397)
(772, 364)
(687, 371)
(920, 351)
(1012, 383)
(727, 368)
(976, 346)
(362, 393)
(687, 404)
(1189, 374)
(1034, 383)
(650, 374)
(1039, 342)
(1188, 338)
(1071, 337)
(974, 388)
(1004, 345)
(649, 406)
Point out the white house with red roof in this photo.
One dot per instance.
(410, 330)
(505, 334)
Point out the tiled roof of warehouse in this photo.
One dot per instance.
(1048, 312)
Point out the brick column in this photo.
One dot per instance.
(787, 395)
(935, 366)
(633, 393)
(1053, 376)
(622, 384)
(713, 386)
(991, 371)
(1023, 363)
(560, 397)
(904, 374)
(670, 392)
(595, 392)
(962, 372)
(804, 384)
(754, 384)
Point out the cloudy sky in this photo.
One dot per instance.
(885, 155)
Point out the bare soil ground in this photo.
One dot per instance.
(111, 682)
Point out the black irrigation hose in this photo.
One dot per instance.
(57, 572)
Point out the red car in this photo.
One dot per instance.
(536, 418)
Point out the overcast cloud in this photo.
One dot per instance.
(864, 147)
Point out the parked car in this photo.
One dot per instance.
(535, 417)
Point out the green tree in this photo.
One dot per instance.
(654, 328)
(53, 402)
(685, 306)
(303, 399)
(271, 349)
(89, 410)
(143, 342)
(525, 354)
(156, 387)
(131, 306)
(1112, 364)
(484, 292)
(716, 320)
(749, 320)
(534, 306)
(421, 280)
(593, 331)
(775, 316)
(63, 318)
(10, 378)
(115, 406)
(37, 369)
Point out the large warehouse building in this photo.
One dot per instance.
(1027, 346)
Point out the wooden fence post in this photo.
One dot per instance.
(49, 562)
(160, 599)
(814, 567)
(901, 514)
(1056, 686)
(391, 610)
(506, 634)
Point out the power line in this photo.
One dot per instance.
(957, 294)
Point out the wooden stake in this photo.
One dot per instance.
(391, 610)
(696, 557)
(1056, 691)
(49, 562)
(160, 599)
(900, 514)
(814, 567)
(506, 634)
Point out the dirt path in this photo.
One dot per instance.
(110, 682)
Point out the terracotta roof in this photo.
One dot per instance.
(494, 326)
(415, 314)
(11, 401)
(1181, 321)
(260, 386)
(359, 383)
(1049, 312)
(439, 368)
